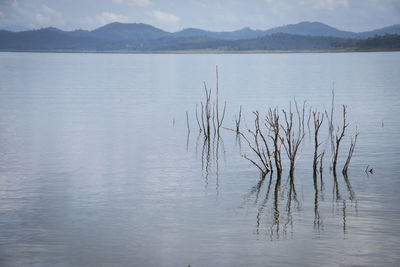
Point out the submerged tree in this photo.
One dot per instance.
(292, 139)
(272, 124)
(351, 150)
(318, 120)
(259, 146)
(338, 138)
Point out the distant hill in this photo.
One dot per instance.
(128, 31)
(285, 41)
(245, 33)
(312, 29)
(47, 39)
(302, 28)
(394, 29)
(143, 37)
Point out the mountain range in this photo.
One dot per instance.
(143, 37)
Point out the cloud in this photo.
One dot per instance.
(227, 18)
(285, 5)
(324, 4)
(138, 3)
(15, 4)
(41, 19)
(164, 17)
(49, 11)
(47, 16)
(105, 18)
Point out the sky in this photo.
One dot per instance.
(216, 15)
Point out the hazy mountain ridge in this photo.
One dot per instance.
(143, 37)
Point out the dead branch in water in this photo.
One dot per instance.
(318, 120)
(219, 120)
(237, 120)
(272, 124)
(292, 139)
(338, 138)
(351, 150)
(320, 161)
(210, 112)
(206, 113)
(259, 146)
(330, 121)
(197, 119)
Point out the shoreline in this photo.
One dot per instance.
(199, 51)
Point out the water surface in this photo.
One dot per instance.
(96, 167)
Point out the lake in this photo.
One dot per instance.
(97, 167)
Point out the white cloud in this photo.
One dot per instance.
(324, 4)
(49, 11)
(227, 18)
(105, 18)
(48, 16)
(138, 3)
(164, 17)
(15, 4)
(284, 5)
(41, 19)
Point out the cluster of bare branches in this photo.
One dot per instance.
(281, 135)
(289, 133)
(292, 139)
(273, 126)
(259, 146)
(210, 120)
(274, 130)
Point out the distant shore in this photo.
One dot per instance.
(202, 51)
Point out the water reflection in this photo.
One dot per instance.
(211, 151)
(278, 204)
(318, 193)
(340, 204)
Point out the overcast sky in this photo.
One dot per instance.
(221, 15)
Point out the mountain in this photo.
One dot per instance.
(47, 39)
(143, 37)
(245, 33)
(394, 29)
(128, 31)
(311, 29)
(285, 41)
(302, 28)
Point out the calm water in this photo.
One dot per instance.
(96, 168)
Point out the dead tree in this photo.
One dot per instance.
(292, 140)
(351, 150)
(320, 161)
(272, 124)
(198, 122)
(237, 120)
(330, 121)
(206, 113)
(318, 120)
(338, 138)
(210, 113)
(259, 146)
(219, 119)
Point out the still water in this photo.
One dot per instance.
(97, 168)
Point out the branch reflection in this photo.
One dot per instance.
(277, 204)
